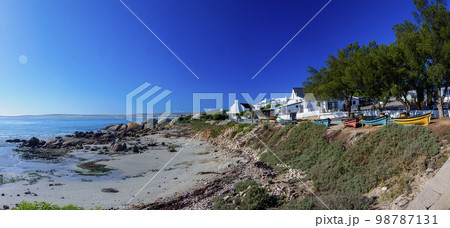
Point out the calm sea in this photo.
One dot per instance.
(42, 128)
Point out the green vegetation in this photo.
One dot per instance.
(184, 119)
(32, 178)
(266, 107)
(94, 169)
(387, 153)
(216, 116)
(240, 128)
(418, 60)
(44, 206)
(247, 195)
(215, 129)
(334, 202)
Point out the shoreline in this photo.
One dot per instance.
(196, 163)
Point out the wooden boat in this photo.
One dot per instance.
(286, 122)
(374, 121)
(424, 119)
(301, 121)
(267, 118)
(350, 122)
(325, 122)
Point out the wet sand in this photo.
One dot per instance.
(195, 163)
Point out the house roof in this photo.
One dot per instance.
(299, 92)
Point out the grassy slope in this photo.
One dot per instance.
(341, 176)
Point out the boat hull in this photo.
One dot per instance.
(377, 121)
(424, 120)
(350, 122)
(325, 122)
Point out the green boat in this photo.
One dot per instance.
(325, 122)
(376, 121)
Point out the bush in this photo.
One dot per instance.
(243, 185)
(334, 202)
(373, 158)
(240, 128)
(247, 195)
(44, 206)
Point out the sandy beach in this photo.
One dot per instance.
(140, 177)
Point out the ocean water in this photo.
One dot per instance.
(42, 128)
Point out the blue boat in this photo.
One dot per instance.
(325, 122)
(377, 121)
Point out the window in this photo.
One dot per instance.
(296, 106)
(354, 102)
(318, 103)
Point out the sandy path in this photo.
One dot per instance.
(131, 173)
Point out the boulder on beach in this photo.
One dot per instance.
(173, 121)
(14, 140)
(135, 149)
(133, 126)
(116, 147)
(115, 127)
(163, 120)
(110, 190)
(171, 148)
(123, 127)
(33, 142)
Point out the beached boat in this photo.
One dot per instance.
(350, 122)
(325, 122)
(301, 121)
(424, 119)
(267, 118)
(374, 121)
(286, 122)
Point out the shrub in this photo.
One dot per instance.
(44, 206)
(333, 202)
(240, 128)
(243, 185)
(373, 158)
(247, 195)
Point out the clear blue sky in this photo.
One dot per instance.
(84, 56)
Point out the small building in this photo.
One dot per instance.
(235, 109)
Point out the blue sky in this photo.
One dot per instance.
(84, 56)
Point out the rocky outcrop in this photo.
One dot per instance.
(33, 142)
(133, 126)
(117, 147)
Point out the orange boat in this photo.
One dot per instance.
(350, 122)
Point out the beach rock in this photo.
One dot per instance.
(53, 143)
(5, 207)
(97, 134)
(135, 149)
(173, 122)
(133, 126)
(164, 120)
(116, 147)
(33, 142)
(171, 149)
(123, 127)
(13, 141)
(112, 127)
(110, 190)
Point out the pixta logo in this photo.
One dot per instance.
(141, 102)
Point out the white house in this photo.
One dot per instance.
(235, 109)
(303, 104)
